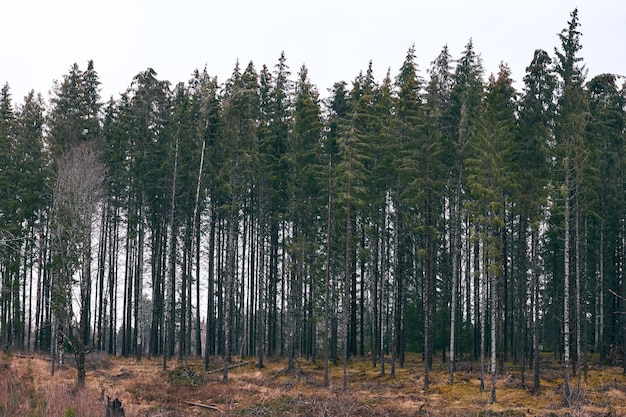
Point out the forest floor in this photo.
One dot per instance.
(27, 388)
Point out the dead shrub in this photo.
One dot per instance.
(184, 376)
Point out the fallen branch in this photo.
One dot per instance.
(237, 365)
(616, 294)
(207, 406)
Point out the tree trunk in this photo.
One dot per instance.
(536, 312)
(494, 277)
(196, 236)
(169, 343)
(346, 295)
(566, 314)
(210, 324)
(483, 315)
(228, 281)
(327, 278)
(454, 246)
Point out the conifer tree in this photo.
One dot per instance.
(489, 184)
(437, 131)
(570, 127)
(459, 119)
(530, 156)
(32, 162)
(306, 177)
(606, 140)
(409, 179)
(75, 128)
(240, 115)
(9, 224)
(338, 110)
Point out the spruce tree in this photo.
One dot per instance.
(570, 127)
(530, 158)
(489, 185)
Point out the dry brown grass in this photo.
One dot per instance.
(28, 389)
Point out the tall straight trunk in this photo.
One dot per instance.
(621, 321)
(455, 248)
(184, 283)
(396, 292)
(503, 299)
(353, 302)
(197, 325)
(239, 313)
(536, 312)
(128, 294)
(209, 342)
(272, 322)
(283, 285)
(168, 345)
(493, 290)
(375, 286)
(477, 309)
(229, 279)
(158, 262)
(483, 316)
(39, 305)
(327, 279)
(102, 252)
(220, 277)
(523, 295)
(138, 329)
(346, 295)
(261, 314)
(426, 297)
(566, 255)
(31, 255)
(384, 280)
(112, 283)
(577, 267)
(600, 295)
(196, 236)
(252, 307)
(313, 318)
(361, 296)
(470, 306)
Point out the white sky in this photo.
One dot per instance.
(335, 39)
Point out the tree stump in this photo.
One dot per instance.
(114, 408)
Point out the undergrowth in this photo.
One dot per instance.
(145, 389)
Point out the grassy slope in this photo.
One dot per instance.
(28, 389)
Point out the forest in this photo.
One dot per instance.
(444, 212)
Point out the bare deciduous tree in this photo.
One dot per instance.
(77, 195)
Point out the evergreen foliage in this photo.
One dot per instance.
(445, 214)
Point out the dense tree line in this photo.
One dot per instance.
(443, 213)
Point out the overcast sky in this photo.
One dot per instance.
(335, 39)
